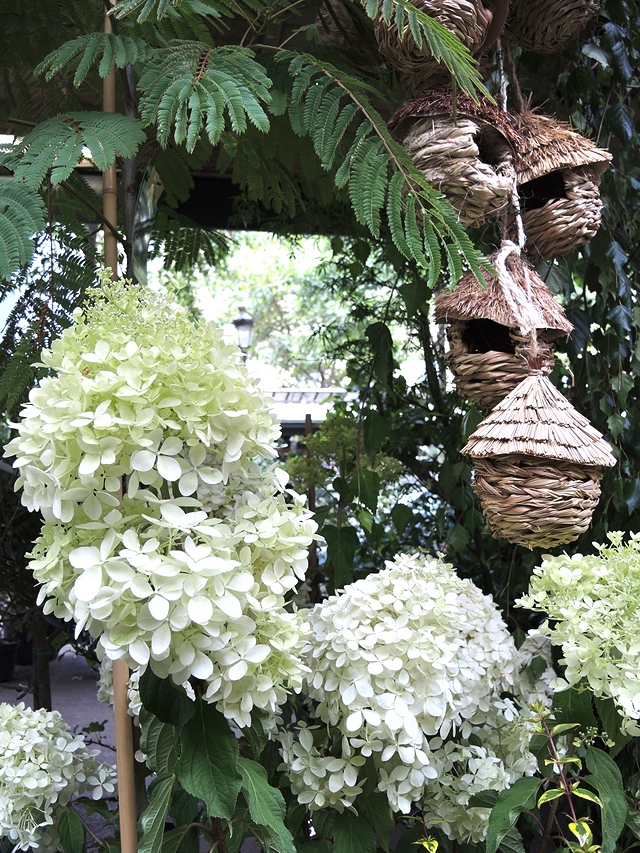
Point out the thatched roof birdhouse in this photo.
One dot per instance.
(468, 159)
(558, 175)
(545, 26)
(538, 464)
(488, 349)
(477, 23)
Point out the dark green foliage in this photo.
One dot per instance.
(189, 87)
(55, 146)
(83, 52)
(22, 216)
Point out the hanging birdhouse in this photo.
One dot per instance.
(467, 159)
(487, 349)
(545, 26)
(537, 466)
(558, 183)
(477, 23)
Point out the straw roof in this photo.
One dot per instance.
(549, 146)
(471, 301)
(536, 420)
(440, 102)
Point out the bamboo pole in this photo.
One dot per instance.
(109, 178)
(124, 758)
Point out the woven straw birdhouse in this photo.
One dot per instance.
(477, 23)
(469, 160)
(545, 26)
(487, 349)
(538, 464)
(558, 174)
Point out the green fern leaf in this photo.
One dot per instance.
(22, 215)
(56, 144)
(190, 85)
(431, 242)
(394, 213)
(83, 52)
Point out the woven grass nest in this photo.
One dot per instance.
(487, 351)
(538, 464)
(468, 160)
(558, 175)
(546, 26)
(477, 23)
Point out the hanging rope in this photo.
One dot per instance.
(528, 315)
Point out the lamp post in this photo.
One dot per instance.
(244, 330)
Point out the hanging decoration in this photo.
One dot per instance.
(488, 349)
(545, 26)
(468, 158)
(476, 23)
(538, 464)
(558, 175)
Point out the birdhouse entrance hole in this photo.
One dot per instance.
(538, 192)
(487, 336)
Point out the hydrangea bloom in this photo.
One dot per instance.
(407, 667)
(594, 604)
(186, 572)
(43, 767)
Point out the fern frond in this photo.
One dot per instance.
(380, 177)
(56, 144)
(190, 85)
(442, 43)
(22, 216)
(83, 52)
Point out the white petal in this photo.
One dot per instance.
(84, 558)
(161, 639)
(237, 671)
(169, 468)
(242, 582)
(88, 584)
(202, 666)
(171, 446)
(159, 607)
(197, 455)
(230, 606)
(354, 721)
(143, 460)
(200, 610)
(88, 465)
(139, 651)
(188, 483)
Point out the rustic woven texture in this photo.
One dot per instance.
(537, 465)
(345, 26)
(561, 224)
(546, 145)
(535, 503)
(546, 26)
(471, 301)
(486, 378)
(536, 420)
(468, 20)
(448, 156)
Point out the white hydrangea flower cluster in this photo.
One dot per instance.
(593, 603)
(186, 572)
(43, 767)
(407, 666)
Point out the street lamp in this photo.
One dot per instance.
(244, 330)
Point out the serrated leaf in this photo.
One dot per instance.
(168, 702)
(585, 794)
(551, 794)
(208, 764)
(342, 544)
(266, 804)
(375, 431)
(153, 818)
(156, 742)
(70, 831)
